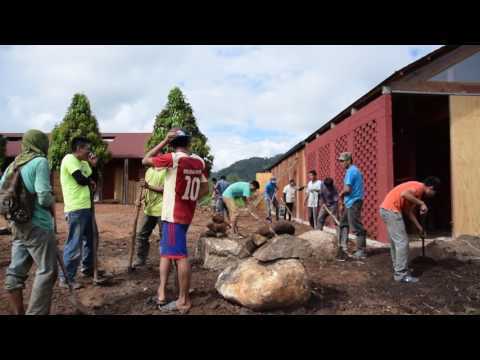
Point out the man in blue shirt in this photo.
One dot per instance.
(220, 187)
(352, 196)
(271, 199)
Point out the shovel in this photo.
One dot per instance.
(423, 259)
(331, 215)
(96, 279)
(134, 233)
(72, 298)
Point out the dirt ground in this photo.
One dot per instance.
(449, 287)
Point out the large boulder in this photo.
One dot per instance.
(323, 244)
(283, 247)
(259, 286)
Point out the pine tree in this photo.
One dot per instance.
(79, 121)
(179, 113)
(3, 151)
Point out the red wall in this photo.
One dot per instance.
(367, 134)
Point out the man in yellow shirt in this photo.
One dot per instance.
(154, 181)
(77, 175)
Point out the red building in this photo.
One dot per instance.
(423, 120)
(120, 175)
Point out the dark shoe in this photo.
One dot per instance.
(359, 255)
(341, 255)
(408, 279)
(89, 273)
(63, 284)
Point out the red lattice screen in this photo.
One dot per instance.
(341, 145)
(311, 161)
(323, 162)
(368, 135)
(365, 158)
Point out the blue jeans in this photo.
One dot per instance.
(79, 243)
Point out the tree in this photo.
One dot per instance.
(79, 121)
(179, 113)
(3, 151)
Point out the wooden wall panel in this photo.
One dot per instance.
(465, 134)
(118, 195)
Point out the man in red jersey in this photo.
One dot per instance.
(185, 183)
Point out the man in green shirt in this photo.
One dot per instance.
(33, 242)
(241, 189)
(154, 180)
(77, 175)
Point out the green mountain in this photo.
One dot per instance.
(245, 170)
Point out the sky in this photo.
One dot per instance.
(248, 100)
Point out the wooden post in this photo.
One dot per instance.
(125, 181)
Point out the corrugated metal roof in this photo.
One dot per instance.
(368, 97)
(121, 145)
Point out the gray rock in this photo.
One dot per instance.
(259, 286)
(220, 253)
(284, 247)
(323, 244)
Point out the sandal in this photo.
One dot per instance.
(153, 301)
(172, 306)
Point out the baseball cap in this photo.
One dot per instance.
(345, 156)
(180, 133)
(273, 179)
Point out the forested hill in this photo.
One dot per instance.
(245, 170)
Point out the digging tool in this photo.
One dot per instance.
(72, 298)
(257, 218)
(134, 232)
(331, 214)
(286, 208)
(96, 279)
(423, 259)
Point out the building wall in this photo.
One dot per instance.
(464, 134)
(293, 167)
(262, 178)
(115, 170)
(367, 134)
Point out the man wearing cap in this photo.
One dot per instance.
(271, 199)
(185, 183)
(352, 196)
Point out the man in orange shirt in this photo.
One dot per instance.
(403, 199)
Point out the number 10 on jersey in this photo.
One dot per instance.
(192, 188)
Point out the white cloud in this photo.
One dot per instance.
(234, 90)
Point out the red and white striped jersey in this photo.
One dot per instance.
(182, 185)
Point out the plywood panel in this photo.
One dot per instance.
(118, 195)
(465, 134)
(262, 178)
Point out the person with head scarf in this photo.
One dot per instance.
(33, 242)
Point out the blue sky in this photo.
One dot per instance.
(248, 100)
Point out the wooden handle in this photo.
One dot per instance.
(134, 233)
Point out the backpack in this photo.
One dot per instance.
(16, 202)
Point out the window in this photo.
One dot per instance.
(467, 70)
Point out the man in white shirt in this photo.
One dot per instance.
(311, 200)
(289, 192)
